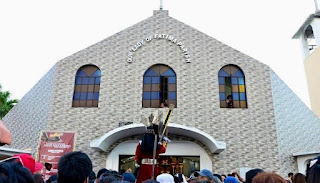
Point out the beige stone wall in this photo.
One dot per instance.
(250, 133)
(312, 66)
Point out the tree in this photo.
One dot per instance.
(5, 103)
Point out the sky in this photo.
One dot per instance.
(36, 34)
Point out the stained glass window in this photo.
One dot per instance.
(159, 87)
(232, 88)
(87, 87)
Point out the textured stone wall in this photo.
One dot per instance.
(250, 133)
(298, 128)
(30, 115)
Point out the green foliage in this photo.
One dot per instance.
(5, 103)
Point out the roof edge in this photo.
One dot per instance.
(305, 23)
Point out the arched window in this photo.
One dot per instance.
(87, 87)
(309, 36)
(232, 87)
(159, 87)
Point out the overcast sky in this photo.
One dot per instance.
(35, 34)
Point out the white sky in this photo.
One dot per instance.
(35, 34)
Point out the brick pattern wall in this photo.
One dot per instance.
(298, 128)
(30, 115)
(250, 133)
(255, 137)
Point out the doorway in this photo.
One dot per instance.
(167, 164)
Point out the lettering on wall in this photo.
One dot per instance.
(170, 38)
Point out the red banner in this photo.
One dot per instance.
(52, 146)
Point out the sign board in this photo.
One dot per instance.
(52, 146)
(167, 37)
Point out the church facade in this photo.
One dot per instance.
(231, 113)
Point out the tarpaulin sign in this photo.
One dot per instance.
(51, 147)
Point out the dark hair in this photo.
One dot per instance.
(290, 174)
(150, 181)
(299, 178)
(108, 179)
(219, 176)
(114, 172)
(14, 172)
(251, 174)
(176, 179)
(74, 167)
(267, 178)
(37, 178)
(101, 171)
(223, 175)
(92, 175)
(122, 171)
(52, 178)
(314, 173)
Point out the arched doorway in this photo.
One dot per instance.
(188, 157)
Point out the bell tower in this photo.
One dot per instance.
(309, 36)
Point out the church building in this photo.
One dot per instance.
(232, 112)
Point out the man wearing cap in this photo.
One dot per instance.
(206, 175)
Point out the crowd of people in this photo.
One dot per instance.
(76, 167)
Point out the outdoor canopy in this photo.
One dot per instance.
(5, 135)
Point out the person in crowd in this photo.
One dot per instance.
(268, 178)
(216, 179)
(206, 175)
(127, 176)
(74, 167)
(110, 177)
(100, 172)
(14, 172)
(150, 181)
(219, 177)
(236, 174)
(313, 174)
(194, 175)
(28, 161)
(37, 178)
(165, 178)
(176, 179)
(231, 179)
(92, 176)
(180, 178)
(299, 178)
(252, 173)
(290, 175)
(223, 177)
(52, 179)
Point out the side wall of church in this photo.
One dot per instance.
(298, 128)
(30, 115)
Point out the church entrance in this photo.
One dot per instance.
(167, 164)
(181, 156)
